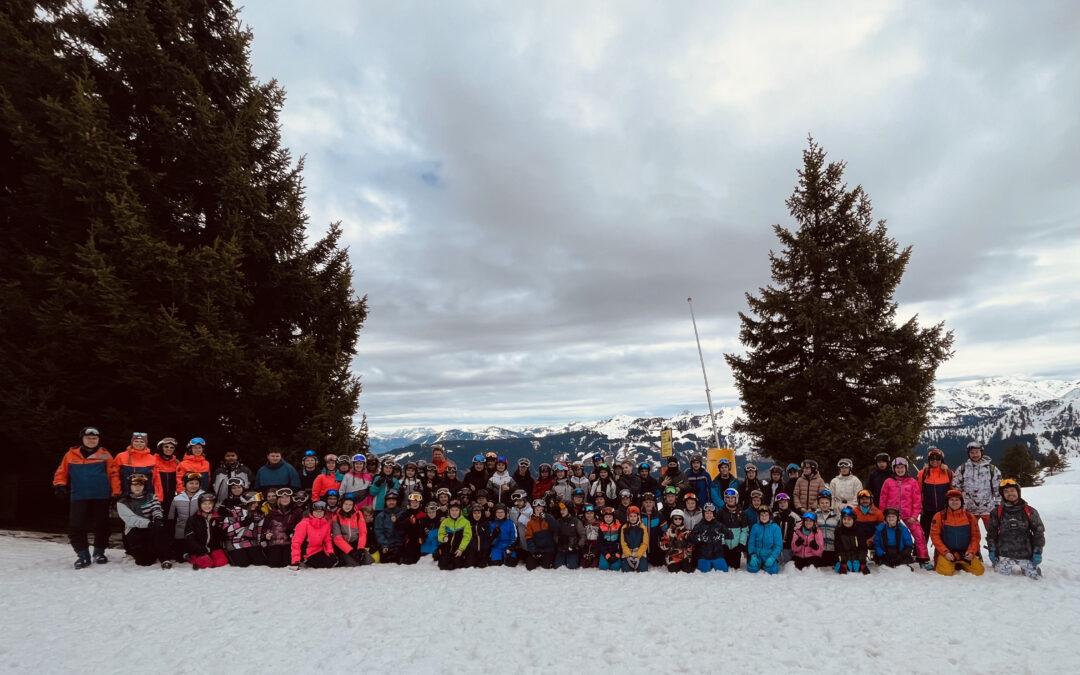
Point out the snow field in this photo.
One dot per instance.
(122, 618)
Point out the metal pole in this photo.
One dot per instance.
(708, 395)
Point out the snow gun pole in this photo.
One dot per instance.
(708, 395)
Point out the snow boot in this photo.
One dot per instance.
(83, 560)
(865, 569)
(927, 565)
(166, 565)
(99, 556)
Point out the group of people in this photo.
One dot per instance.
(357, 510)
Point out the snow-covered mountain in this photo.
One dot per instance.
(993, 410)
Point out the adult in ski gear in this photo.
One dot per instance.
(231, 467)
(807, 543)
(384, 484)
(88, 477)
(634, 543)
(979, 480)
(851, 547)
(438, 458)
(773, 486)
(314, 531)
(164, 481)
(700, 481)
(845, 487)
(893, 544)
(330, 479)
(501, 485)
(137, 458)
(604, 484)
(194, 461)
(807, 487)
(1015, 535)
(309, 470)
(629, 480)
(935, 480)
(955, 534)
(649, 485)
(358, 482)
(881, 472)
(902, 493)
(723, 482)
(145, 534)
(276, 473)
(673, 477)
(544, 483)
(708, 540)
(765, 544)
(204, 536)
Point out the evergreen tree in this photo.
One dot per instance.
(1018, 463)
(828, 373)
(1053, 462)
(158, 277)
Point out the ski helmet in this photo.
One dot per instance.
(784, 496)
(1009, 482)
(677, 513)
(809, 516)
(845, 462)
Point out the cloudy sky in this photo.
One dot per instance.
(531, 191)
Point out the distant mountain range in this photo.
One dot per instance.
(997, 411)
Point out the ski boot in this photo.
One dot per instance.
(167, 565)
(99, 556)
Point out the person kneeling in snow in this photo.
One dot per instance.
(676, 541)
(851, 548)
(634, 541)
(955, 534)
(893, 545)
(144, 525)
(708, 537)
(807, 543)
(455, 533)
(314, 530)
(204, 537)
(1015, 535)
(765, 544)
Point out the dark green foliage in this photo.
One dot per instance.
(1019, 463)
(157, 276)
(1054, 463)
(828, 373)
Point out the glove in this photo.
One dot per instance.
(769, 562)
(755, 561)
(632, 563)
(992, 553)
(1036, 558)
(158, 522)
(814, 546)
(61, 491)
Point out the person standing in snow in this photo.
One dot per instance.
(827, 522)
(137, 458)
(774, 486)
(979, 480)
(276, 473)
(1015, 535)
(195, 461)
(845, 487)
(723, 482)
(673, 477)
(309, 471)
(88, 478)
(231, 467)
(699, 480)
(788, 521)
(734, 518)
(748, 486)
(878, 476)
(808, 486)
(955, 534)
(501, 484)
(935, 480)
(164, 480)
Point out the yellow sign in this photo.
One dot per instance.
(665, 443)
(714, 457)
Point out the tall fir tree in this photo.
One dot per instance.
(827, 372)
(158, 275)
(1017, 462)
(1054, 463)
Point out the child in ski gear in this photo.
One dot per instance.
(243, 528)
(564, 491)
(807, 487)
(278, 528)
(418, 524)
(204, 536)
(649, 485)
(902, 493)
(807, 543)
(893, 544)
(314, 530)
(455, 533)
(634, 542)
(827, 521)
(788, 521)
(708, 541)
(569, 539)
(629, 480)
(880, 473)
(955, 534)
(390, 526)
(544, 482)
(183, 507)
(330, 479)
(479, 550)
(851, 548)
(734, 518)
(673, 477)
(845, 487)
(501, 485)
(699, 480)
(1016, 535)
(748, 486)
(604, 485)
(691, 512)
(774, 486)
(590, 553)
(608, 549)
(723, 482)
(765, 544)
(383, 484)
(231, 467)
(980, 481)
(755, 499)
(677, 545)
(503, 537)
(867, 517)
(88, 477)
(145, 533)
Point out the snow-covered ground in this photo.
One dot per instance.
(122, 618)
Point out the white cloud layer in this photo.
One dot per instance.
(531, 191)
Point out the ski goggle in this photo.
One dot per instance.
(731, 492)
(670, 490)
(234, 481)
(91, 431)
(198, 440)
(344, 459)
(644, 466)
(331, 493)
(192, 476)
(284, 492)
(359, 458)
(309, 453)
(783, 496)
(416, 497)
(824, 493)
(451, 469)
(1008, 482)
(500, 458)
(477, 458)
(590, 507)
(349, 495)
(138, 434)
